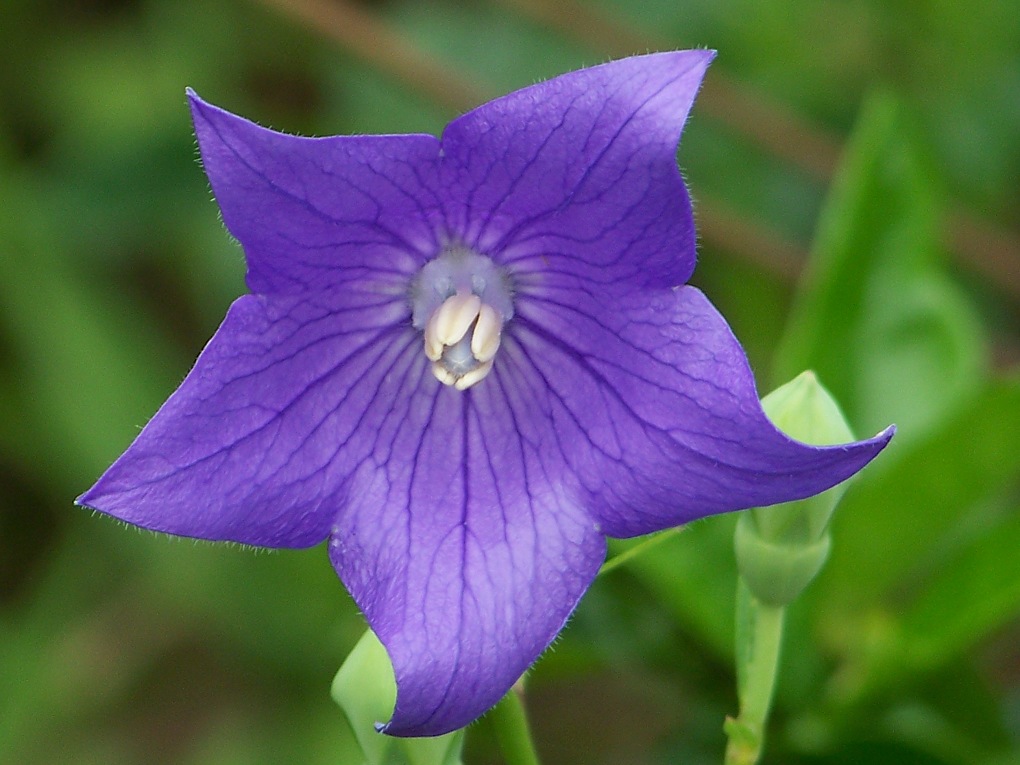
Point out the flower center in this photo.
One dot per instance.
(460, 301)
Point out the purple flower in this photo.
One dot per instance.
(464, 362)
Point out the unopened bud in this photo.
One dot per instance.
(365, 689)
(781, 548)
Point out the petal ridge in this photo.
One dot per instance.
(375, 199)
(551, 163)
(501, 556)
(680, 433)
(221, 461)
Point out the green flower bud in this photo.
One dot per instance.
(366, 690)
(805, 410)
(776, 573)
(781, 548)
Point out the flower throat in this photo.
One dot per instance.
(460, 301)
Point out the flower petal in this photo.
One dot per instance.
(465, 551)
(655, 408)
(256, 443)
(569, 175)
(311, 211)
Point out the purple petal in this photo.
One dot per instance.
(655, 408)
(458, 535)
(568, 176)
(254, 446)
(311, 212)
(465, 551)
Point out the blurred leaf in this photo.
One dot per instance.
(693, 574)
(65, 327)
(875, 318)
(972, 595)
(927, 731)
(892, 516)
(493, 45)
(889, 687)
(966, 697)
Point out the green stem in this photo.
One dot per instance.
(761, 678)
(760, 663)
(635, 550)
(512, 730)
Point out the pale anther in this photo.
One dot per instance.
(475, 375)
(433, 345)
(450, 322)
(460, 302)
(486, 337)
(455, 316)
(444, 375)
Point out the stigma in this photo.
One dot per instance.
(460, 302)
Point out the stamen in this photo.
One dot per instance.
(433, 345)
(455, 317)
(486, 337)
(450, 322)
(460, 301)
(461, 339)
(444, 375)
(475, 375)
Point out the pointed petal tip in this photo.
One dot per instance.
(673, 63)
(880, 439)
(866, 448)
(695, 55)
(87, 499)
(696, 58)
(701, 59)
(199, 107)
(396, 730)
(204, 112)
(862, 453)
(195, 101)
(704, 56)
(98, 498)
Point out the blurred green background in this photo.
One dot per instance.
(120, 646)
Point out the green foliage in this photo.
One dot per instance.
(366, 691)
(877, 315)
(891, 522)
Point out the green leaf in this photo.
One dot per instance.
(692, 575)
(974, 594)
(90, 369)
(890, 519)
(892, 338)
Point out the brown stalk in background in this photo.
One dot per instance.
(369, 38)
(991, 252)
